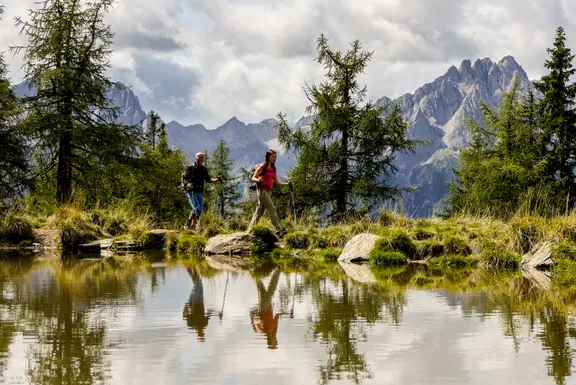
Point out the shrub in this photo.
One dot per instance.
(15, 228)
(382, 258)
(264, 239)
(191, 244)
(502, 259)
(430, 249)
(422, 234)
(329, 255)
(455, 245)
(297, 240)
(386, 218)
(526, 232)
(564, 250)
(397, 241)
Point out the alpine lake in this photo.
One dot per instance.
(144, 318)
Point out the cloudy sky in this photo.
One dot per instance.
(204, 61)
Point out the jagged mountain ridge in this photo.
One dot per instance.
(437, 111)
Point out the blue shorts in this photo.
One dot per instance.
(196, 202)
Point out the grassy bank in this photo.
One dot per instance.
(455, 242)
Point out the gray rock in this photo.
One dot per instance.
(236, 243)
(539, 256)
(358, 248)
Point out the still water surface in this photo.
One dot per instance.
(94, 322)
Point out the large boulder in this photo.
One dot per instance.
(236, 243)
(539, 257)
(358, 248)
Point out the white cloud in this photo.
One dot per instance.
(200, 61)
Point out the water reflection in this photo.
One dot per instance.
(139, 320)
(195, 312)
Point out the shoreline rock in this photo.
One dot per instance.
(358, 248)
(225, 244)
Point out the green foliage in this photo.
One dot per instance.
(297, 240)
(381, 258)
(501, 259)
(74, 227)
(430, 249)
(191, 244)
(523, 157)
(15, 228)
(351, 146)
(329, 255)
(225, 194)
(14, 166)
(455, 245)
(69, 116)
(264, 239)
(397, 241)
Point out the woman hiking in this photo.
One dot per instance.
(266, 177)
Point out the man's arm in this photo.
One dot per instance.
(208, 178)
(187, 178)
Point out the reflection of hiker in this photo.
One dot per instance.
(266, 177)
(194, 311)
(193, 182)
(262, 317)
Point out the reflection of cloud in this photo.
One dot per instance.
(434, 342)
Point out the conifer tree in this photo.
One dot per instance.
(69, 114)
(351, 146)
(225, 194)
(501, 162)
(557, 142)
(13, 154)
(154, 131)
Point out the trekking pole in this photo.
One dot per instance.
(224, 297)
(293, 203)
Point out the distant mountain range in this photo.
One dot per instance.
(437, 111)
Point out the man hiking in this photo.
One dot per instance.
(193, 181)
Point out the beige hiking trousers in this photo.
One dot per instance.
(265, 203)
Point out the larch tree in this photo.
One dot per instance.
(350, 148)
(69, 114)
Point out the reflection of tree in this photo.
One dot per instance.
(65, 307)
(339, 323)
(554, 337)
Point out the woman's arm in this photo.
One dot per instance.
(256, 177)
(277, 182)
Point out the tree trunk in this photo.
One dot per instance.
(341, 190)
(64, 178)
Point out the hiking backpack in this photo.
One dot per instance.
(254, 185)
